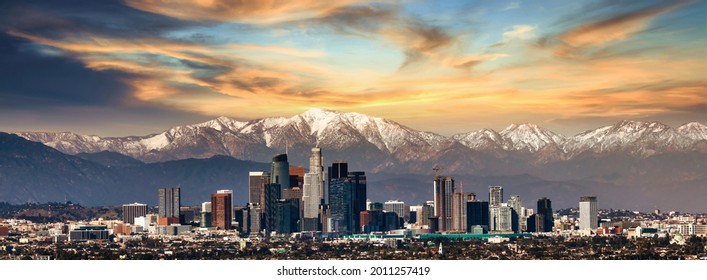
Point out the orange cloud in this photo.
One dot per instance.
(257, 12)
(618, 28)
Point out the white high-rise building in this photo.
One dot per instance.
(395, 206)
(313, 191)
(588, 218)
(500, 218)
(495, 195)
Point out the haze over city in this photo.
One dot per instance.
(139, 67)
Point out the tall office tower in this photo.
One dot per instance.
(221, 210)
(500, 218)
(428, 211)
(132, 211)
(273, 193)
(459, 210)
(280, 173)
(341, 192)
(588, 218)
(311, 197)
(227, 191)
(395, 206)
(254, 219)
(168, 202)
(495, 196)
(285, 218)
(415, 212)
(205, 214)
(545, 210)
(338, 169)
(187, 214)
(256, 186)
(519, 221)
(477, 214)
(358, 200)
(443, 191)
(316, 165)
(313, 192)
(294, 196)
(296, 176)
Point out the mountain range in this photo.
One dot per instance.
(630, 164)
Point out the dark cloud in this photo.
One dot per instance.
(108, 18)
(417, 37)
(31, 79)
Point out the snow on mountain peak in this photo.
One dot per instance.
(694, 130)
(530, 137)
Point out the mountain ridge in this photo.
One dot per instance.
(339, 131)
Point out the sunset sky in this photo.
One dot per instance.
(116, 68)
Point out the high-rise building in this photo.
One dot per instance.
(588, 218)
(273, 193)
(313, 192)
(459, 210)
(168, 202)
(358, 200)
(132, 211)
(443, 191)
(280, 173)
(254, 219)
(316, 165)
(395, 206)
(341, 192)
(227, 191)
(545, 212)
(477, 214)
(518, 218)
(221, 210)
(338, 169)
(500, 218)
(296, 176)
(205, 214)
(256, 186)
(495, 196)
(311, 197)
(286, 216)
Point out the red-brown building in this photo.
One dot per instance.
(221, 210)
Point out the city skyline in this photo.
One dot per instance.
(138, 67)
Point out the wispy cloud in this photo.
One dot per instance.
(609, 30)
(511, 6)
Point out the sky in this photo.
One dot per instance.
(135, 67)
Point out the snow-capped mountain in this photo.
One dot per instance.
(530, 137)
(634, 137)
(694, 131)
(374, 141)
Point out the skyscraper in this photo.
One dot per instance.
(273, 193)
(518, 218)
(358, 200)
(280, 173)
(338, 169)
(495, 196)
(256, 186)
(588, 212)
(341, 194)
(443, 191)
(501, 218)
(313, 192)
(477, 214)
(296, 176)
(221, 210)
(395, 206)
(205, 214)
(168, 202)
(545, 212)
(132, 211)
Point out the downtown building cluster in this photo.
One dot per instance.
(332, 204)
